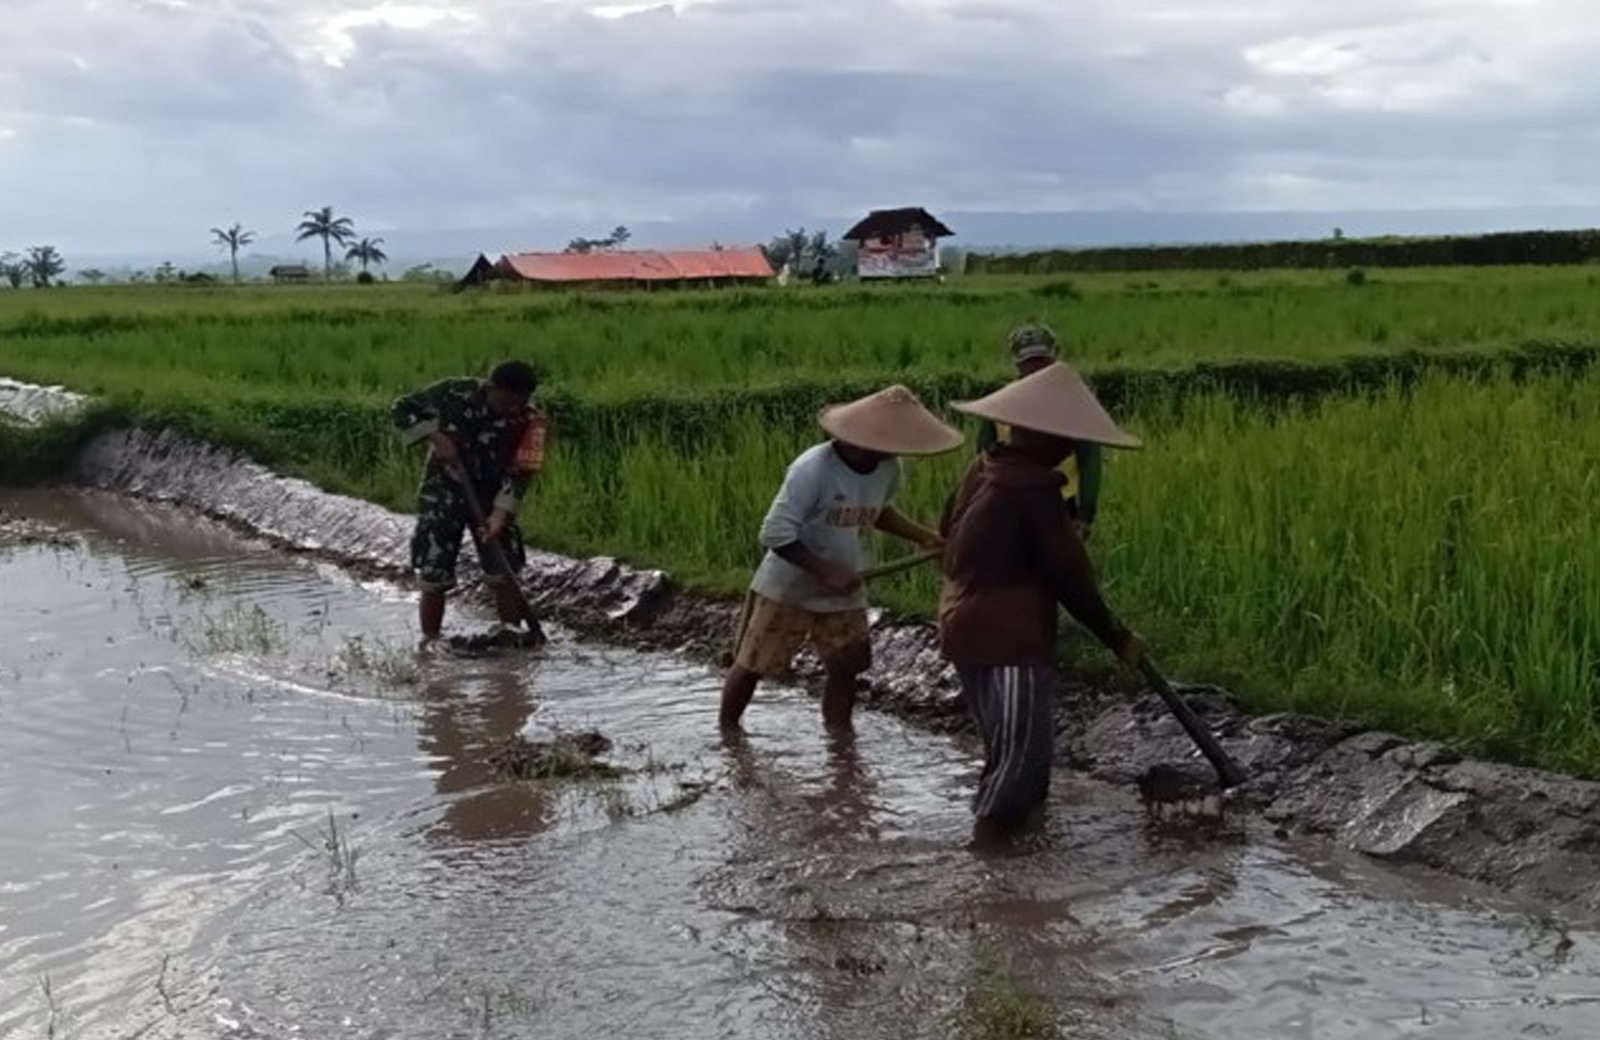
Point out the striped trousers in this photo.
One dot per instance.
(1014, 707)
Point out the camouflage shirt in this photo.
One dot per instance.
(501, 453)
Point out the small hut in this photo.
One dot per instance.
(290, 273)
(482, 272)
(898, 243)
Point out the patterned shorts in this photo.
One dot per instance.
(770, 634)
(443, 516)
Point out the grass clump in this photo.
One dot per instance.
(339, 858)
(566, 756)
(996, 1008)
(390, 665)
(238, 629)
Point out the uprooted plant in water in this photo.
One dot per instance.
(566, 756)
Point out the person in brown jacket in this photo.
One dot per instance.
(1011, 557)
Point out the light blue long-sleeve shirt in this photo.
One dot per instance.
(827, 507)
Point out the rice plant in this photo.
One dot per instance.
(1426, 559)
(366, 344)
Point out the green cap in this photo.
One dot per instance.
(1033, 340)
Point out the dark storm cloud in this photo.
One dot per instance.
(121, 119)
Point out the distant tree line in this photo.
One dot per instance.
(43, 266)
(619, 237)
(323, 224)
(1500, 248)
(809, 254)
(40, 267)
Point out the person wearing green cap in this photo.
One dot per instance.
(1034, 346)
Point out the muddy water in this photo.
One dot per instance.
(233, 804)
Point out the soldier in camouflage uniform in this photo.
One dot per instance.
(491, 431)
(1032, 347)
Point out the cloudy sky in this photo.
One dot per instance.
(126, 122)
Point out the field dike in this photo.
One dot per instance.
(1528, 832)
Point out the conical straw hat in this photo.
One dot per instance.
(1054, 400)
(891, 421)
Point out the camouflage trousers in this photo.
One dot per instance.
(443, 516)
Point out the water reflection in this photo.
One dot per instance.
(827, 894)
(463, 720)
(843, 807)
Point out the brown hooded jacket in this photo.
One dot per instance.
(1011, 555)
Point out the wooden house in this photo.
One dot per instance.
(897, 243)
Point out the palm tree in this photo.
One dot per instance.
(321, 223)
(367, 252)
(233, 240)
(44, 264)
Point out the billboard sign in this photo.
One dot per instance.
(911, 255)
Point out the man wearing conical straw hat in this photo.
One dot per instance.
(808, 587)
(1011, 557)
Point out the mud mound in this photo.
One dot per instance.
(495, 640)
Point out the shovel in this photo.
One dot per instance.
(904, 563)
(490, 551)
(1228, 772)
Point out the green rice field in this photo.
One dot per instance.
(353, 341)
(1420, 553)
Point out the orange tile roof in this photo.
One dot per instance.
(640, 266)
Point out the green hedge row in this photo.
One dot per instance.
(297, 430)
(1513, 247)
(531, 311)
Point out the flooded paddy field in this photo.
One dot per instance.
(234, 802)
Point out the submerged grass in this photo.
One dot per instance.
(389, 664)
(237, 629)
(565, 756)
(996, 1008)
(339, 857)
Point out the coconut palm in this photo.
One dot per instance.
(367, 252)
(43, 265)
(233, 240)
(321, 223)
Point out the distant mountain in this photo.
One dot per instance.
(1002, 231)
